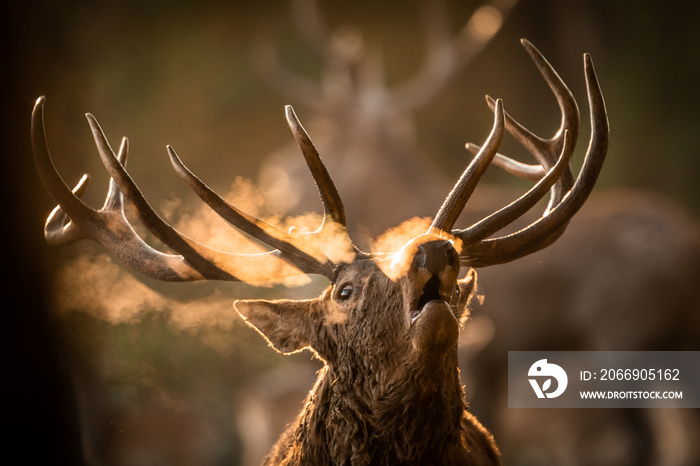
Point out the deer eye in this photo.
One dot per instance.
(345, 292)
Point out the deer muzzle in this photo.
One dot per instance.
(431, 281)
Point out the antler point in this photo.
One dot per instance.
(174, 158)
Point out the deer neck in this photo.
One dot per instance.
(419, 414)
(402, 416)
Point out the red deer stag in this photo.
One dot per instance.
(388, 324)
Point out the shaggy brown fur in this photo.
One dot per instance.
(390, 392)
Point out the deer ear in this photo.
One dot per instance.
(467, 290)
(288, 325)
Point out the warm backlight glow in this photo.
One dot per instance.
(485, 22)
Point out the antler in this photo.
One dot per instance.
(567, 196)
(321, 251)
(73, 220)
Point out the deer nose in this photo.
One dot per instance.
(435, 256)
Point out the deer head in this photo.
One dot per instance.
(387, 325)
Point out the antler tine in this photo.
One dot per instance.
(114, 199)
(150, 219)
(548, 228)
(519, 207)
(514, 167)
(545, 151)
(255, 227)
(334, 213)
(212, 264)
(455, 202)
(73, 220)
(59, 229)
(332, 204)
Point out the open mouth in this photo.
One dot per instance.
(431, 292)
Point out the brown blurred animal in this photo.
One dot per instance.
(365, 126)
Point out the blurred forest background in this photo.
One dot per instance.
(103, 367)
